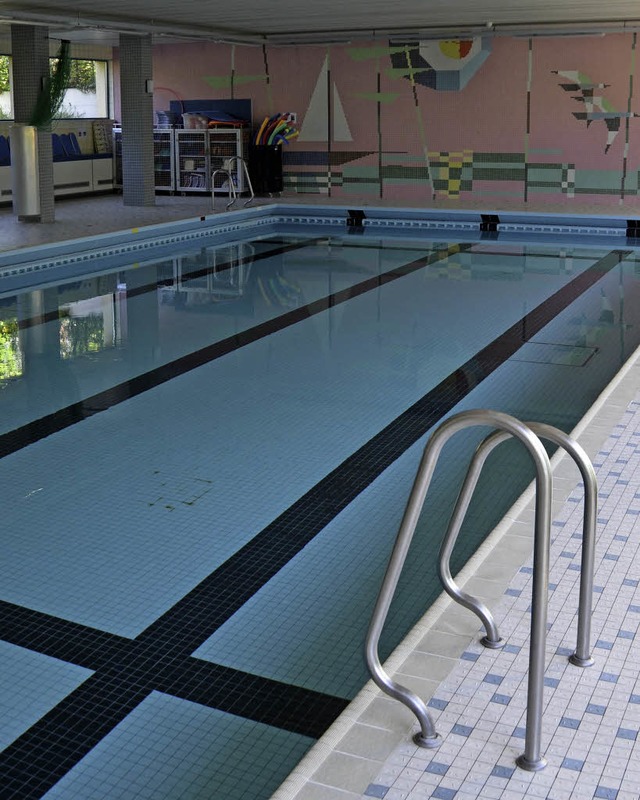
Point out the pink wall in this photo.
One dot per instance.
(412, 130)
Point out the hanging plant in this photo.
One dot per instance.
(53, 89)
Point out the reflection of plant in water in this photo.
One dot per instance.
(81, 335)
(10, 355)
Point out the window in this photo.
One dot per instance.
(88, 92)
(87, 95)
(6, 107)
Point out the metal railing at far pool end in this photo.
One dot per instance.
(232, 166)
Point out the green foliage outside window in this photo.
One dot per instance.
(10, 357)
(4, 74)
(82, 75)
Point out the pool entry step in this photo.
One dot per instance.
(530, 434)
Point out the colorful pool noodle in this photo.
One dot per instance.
(261, 129)
(275, 129)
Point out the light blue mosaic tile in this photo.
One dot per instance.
(462, 730)
(502, 772)
(442, 793)
(604, 793)
(468, 656)
(31, 685)
(173, 749)
(437, 768)
(573, 763)
(376, 790)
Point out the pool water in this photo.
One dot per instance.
(206, 456)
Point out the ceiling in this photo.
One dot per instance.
(291, 21)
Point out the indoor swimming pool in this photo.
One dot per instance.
(207, 444)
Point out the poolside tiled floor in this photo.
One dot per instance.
(592, 716)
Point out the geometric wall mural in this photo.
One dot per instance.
(596, 107)
(444, 65)
(316, 116)
(501, 126)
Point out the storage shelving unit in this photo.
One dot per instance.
(184, 160)
(163, 158)
(199, 153)
(192, 161)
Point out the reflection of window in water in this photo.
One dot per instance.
(11, 363)
(214, 275)
(81, 335)
(87, 326)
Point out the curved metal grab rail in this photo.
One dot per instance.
(582, 656)
(233, 195)
(243, 164)
(428, 737)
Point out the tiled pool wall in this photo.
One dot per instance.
(374, 221)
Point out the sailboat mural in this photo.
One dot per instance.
(316, 119)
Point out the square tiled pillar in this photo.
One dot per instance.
(30, 65)
(136, 110)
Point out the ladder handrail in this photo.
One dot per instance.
(233, 195)
(428, 737)
(241, 161)
(582, 656)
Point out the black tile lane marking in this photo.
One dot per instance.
(291, 708)
(14, 440)
(37, 759)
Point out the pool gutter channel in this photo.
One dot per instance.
(350, 754)
(376, 222)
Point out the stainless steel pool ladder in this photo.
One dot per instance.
(529, 434)
(229, 169)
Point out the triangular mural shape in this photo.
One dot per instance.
(341, 132)
(316, 119)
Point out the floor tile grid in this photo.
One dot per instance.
(592, 716)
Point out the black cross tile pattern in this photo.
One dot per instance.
(159, 657)
(292, 708)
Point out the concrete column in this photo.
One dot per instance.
(136, 111)
(30, 65)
